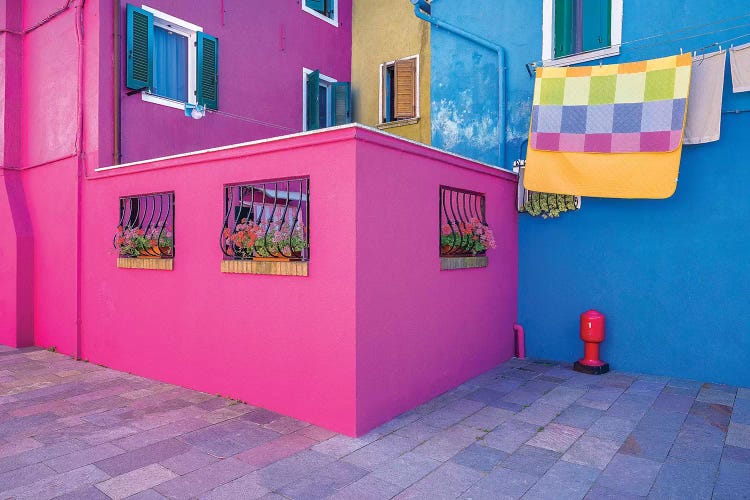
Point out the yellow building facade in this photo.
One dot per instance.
(391, 68)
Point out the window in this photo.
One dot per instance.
(265, 227)
(170, 61)
(581, 30)
(327, 10)
(399, 90)
(146, 231)
(326, 102)
(465, 236)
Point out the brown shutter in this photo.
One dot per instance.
(405, 88)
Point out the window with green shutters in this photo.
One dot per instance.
(326, 101)
(171, 61)
(326, 10)
(581, 26)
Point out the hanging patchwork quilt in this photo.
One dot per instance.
(611, 131)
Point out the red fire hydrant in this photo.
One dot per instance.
(592, 334)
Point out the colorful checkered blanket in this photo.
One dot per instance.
(618, 108)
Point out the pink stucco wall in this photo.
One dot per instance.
(420, 330)
(284, 343)
(370, 333)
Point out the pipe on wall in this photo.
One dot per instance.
(520, 341)
(500, 63)
(116, 153)
(80, 145)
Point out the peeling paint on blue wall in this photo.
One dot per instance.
(465, 110)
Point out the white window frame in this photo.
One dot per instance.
(548, 35)
(330, 20)
(381, 114)
(329, 95)
(190, 31)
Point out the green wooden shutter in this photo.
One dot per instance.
(564, 27)
(140, 33)
(319, 5)
(313, 101)
(341, 103)
(597, 15)
(207, 81)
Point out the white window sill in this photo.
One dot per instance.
(398, 123)
(163, 101)
(334, 21)
(583, 57)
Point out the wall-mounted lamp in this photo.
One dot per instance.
(195, 111)
(423, 6)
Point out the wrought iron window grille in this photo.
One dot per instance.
(267, 221)
(463, 227)
(146, 227)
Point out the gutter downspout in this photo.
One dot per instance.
(500, 63)
(80, 151)
(117, 155)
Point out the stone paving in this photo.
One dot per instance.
(526, 429)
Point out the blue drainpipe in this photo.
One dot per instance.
(420, 6)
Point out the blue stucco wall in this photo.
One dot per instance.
(672, 276)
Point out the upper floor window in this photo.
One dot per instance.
(326, 102)
(399, 90)
(326, 10)
(581, 30)
(171, 61)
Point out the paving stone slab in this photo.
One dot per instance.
(501, 483)
(683, 479)
(733, 481)
(735, 454)
(369, 487)
(449, 442)
(135, 481)
(531, 460)
(563, 480)
(738, 435)
(450, 479)
(592, 451)
(189, 461)
(406, 469)
(578, 416)
(556, 437)
(24, 475)
(288, 470)
(628, 474)
(59, 484)
(204, 479)
(323, 483)
(539, 414)
(510, 435)
(487, 418)
(121, 463)
(481, 458)
(378, 452)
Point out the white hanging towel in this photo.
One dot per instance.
(739, 58)
(703, 122)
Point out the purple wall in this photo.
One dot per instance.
(263, 47)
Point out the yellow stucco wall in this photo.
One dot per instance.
(383, 31)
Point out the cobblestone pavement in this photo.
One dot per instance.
(525, 429)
